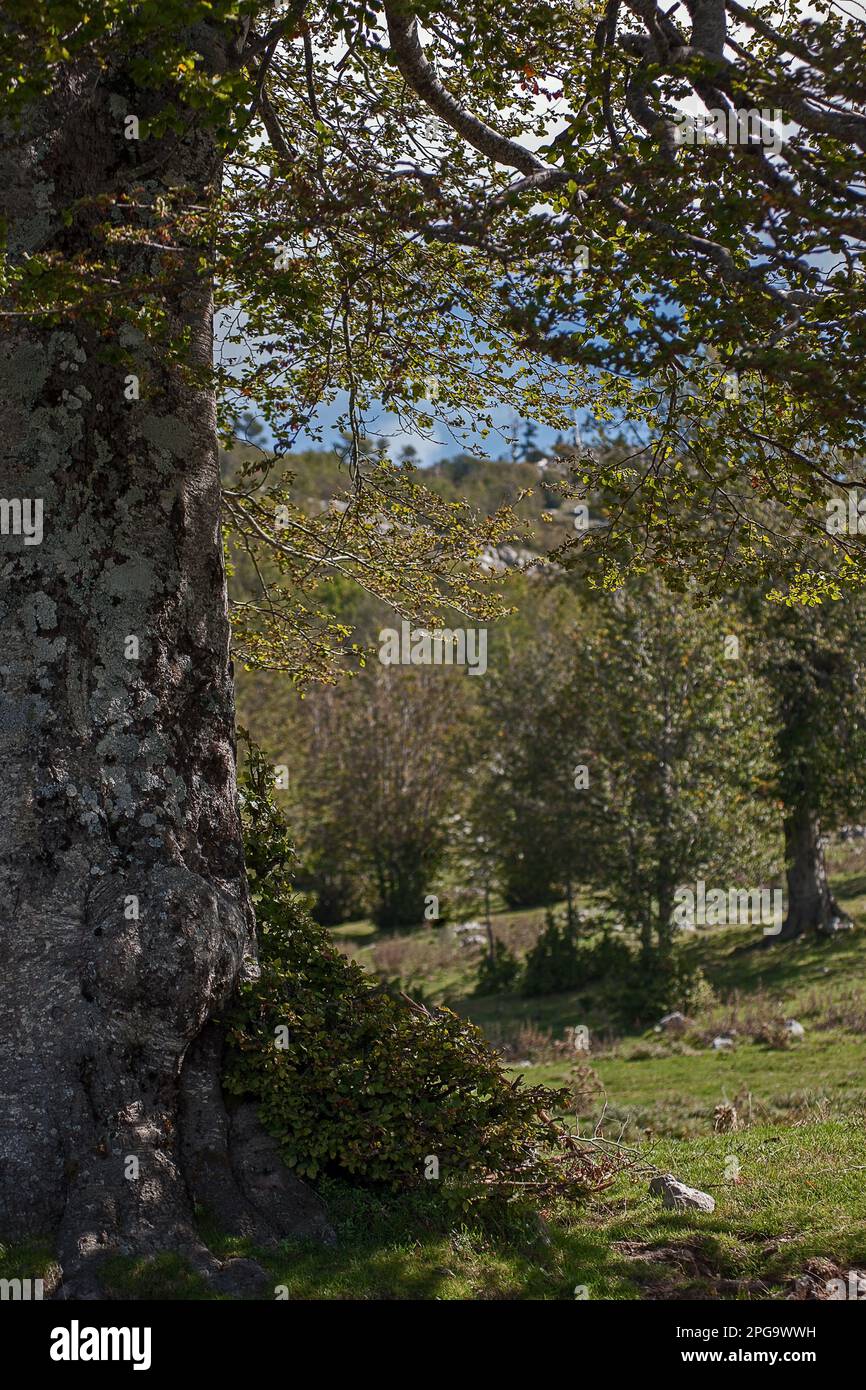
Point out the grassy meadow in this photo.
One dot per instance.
(789, 1180)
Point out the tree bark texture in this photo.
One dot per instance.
(125, 921)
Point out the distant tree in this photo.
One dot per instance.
(553, 963)
(323, 792)
(676, 744)
(529, 451)
(383, 762)
(475, 854)
(814, 660)
(525, 800)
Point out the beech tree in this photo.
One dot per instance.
(381, 765)
(297, 182)
(523, 779)
(812, 660)
(677, 754)
(126, 914)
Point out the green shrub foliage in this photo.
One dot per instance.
(354, 1078)
(497, 973)
(554, 962)
(633, 988)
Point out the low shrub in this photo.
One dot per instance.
(555, 962)
(635, 989)
(354, 1078)
(497, 973)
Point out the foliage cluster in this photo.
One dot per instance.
(354, 1079)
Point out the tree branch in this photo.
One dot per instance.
(421, 77)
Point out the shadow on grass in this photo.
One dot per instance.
(737, 962)
(413, 1246)
(466, 1266)
(167, 1277)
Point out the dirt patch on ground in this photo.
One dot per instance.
(822, 1280)
(683, 1271)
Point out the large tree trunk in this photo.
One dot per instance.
(811, 905)
(125, 921)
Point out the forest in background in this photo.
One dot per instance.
(618, 747)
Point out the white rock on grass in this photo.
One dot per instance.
(672, 1023)
(794, 1029)
(676, 1196)
(722, 1043)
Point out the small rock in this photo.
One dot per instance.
(722, 1043)
(794, 1029)
(676, 1196)
(836, 925)
(672, 1023)
(819, 1279)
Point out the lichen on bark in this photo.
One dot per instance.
(125, 920)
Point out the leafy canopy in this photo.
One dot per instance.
(440, 209)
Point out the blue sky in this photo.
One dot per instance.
(442, 444)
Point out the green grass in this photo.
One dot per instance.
(801, 1197)
(652, 1083)
(30, 1259)
(166, 1277)
(661, 1085)
(801, 1147)
(675, 1095)
(800, 1156)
